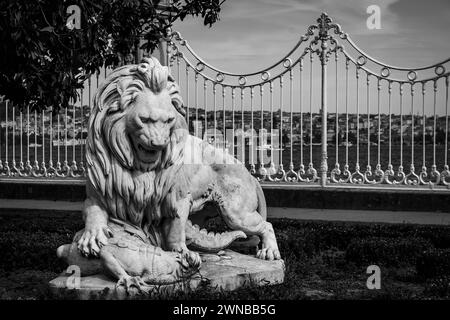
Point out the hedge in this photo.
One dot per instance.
(434, 263)
(385, 252)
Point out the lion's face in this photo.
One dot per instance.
(149, 124)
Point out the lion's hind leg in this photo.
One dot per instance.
(252, 223)
(238, 202)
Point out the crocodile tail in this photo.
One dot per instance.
(203, 240)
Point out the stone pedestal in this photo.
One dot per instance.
(228, 271)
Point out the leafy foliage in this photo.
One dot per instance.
(44, 63)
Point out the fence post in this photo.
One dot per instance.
(163, 54)
(165, 11)
(324, 21)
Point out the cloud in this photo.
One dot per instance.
(255, 33)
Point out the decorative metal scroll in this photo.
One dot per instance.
(324, 46)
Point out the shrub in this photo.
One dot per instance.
(36, 251)
(47, 62)
(439, 287)
(434, 263)
(41, 221)
(386, 251)
(327, 235)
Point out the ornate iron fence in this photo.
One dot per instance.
(45, 144)
(325, 104)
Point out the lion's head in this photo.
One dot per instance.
(136, 128)
(138, 116)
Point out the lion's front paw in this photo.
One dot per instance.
(192, 258)
(269, 250)
(129, 283)
(269, 253)
(92, 239)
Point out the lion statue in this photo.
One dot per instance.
(144, 168)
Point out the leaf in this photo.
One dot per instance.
(43, 64)
(47, 29)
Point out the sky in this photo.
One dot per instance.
(254, 34)
(251, 34)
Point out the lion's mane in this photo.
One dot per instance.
(117, 180)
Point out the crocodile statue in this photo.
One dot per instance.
(130, 259)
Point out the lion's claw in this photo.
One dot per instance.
(193, 259)
(92, 240)
(268, 254)
(130, 282)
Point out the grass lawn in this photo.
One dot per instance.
(324, 260)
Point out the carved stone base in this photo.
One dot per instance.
(228, 271)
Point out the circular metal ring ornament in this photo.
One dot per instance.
(439, 70)
(361, 60)
(200, 67)
(385, 72)
(242, 80)
(265, 76)
(287, 63)
(220, 77)
(412, 75)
